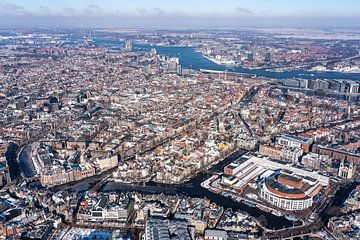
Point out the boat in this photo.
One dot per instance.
(251, 196)
(290, 218)
(263, 208)
(276, 213)
(250, 204)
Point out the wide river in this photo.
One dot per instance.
(190, 58)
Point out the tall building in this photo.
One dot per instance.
(250, 57)
(354, 87)
(179, 70)
(268, 57)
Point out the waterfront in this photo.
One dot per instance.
(190, 58)
(192, 188)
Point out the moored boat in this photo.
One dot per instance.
(250, 204)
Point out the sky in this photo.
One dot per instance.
(184, 13)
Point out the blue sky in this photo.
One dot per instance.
(296, 11)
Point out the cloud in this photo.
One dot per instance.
(142, 11)
(43, 11)
(68, 9)
(154, 12)
(44, 8)
(159, 11)
(68, 12)
(94, 7)
(11, 7)
(245, 10)
(93, 10)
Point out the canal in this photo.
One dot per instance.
(25, 162)
(192, 188)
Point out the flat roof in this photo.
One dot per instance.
(291, 178)
(297, 138)
(310, 178)
(232, 166)
(229, 177)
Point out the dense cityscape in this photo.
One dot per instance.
(145, 133)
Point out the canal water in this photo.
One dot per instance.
(339, 199)
(192, 188)
(26, 164)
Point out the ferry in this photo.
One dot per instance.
(306, 74)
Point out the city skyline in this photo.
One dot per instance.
(185, 14)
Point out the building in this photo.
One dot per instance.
(106, 208)
(346, 169)
(212, 234)
(268, 57)
(295, 142)
(336, 154)
(283, 153)
(232, 168)
(246, 142)
(106, 163)
(4, 174)
(271, 151)
(289, 191)
(354, 87)
(56, 176)
(250, 57)
(156, 229)
(345, 227)
(314, 161)
(278, 183)
(291, 154)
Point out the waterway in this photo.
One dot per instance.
(190, 58)
(192, 188)
(339, 199)
(26, 164)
